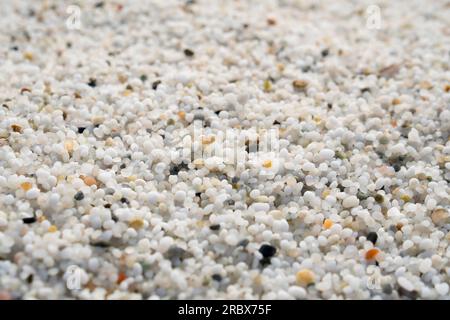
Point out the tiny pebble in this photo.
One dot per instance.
(79, 196)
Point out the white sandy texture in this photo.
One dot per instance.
(98, 202)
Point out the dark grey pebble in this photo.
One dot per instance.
(267, 250)
(372, 237)
(79, 196)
